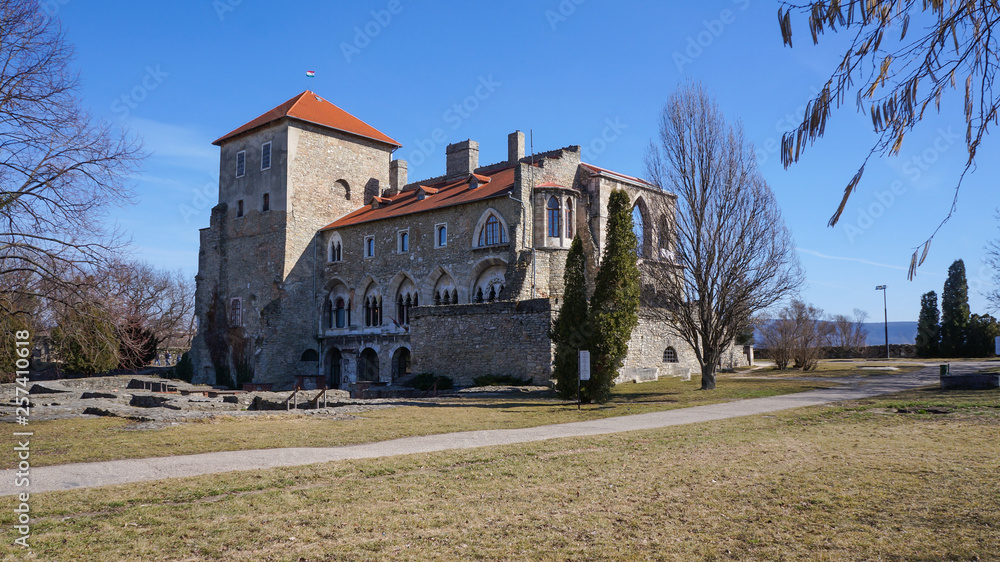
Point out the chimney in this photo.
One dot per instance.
(397, 176)
(515, 146)
(463, 157)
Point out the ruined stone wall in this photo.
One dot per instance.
(469, 340)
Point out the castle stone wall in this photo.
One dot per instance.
(469, 340)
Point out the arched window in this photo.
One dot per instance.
(373, 311)
(341, 313)
(493, 232)
(368, 366)
(235, 313)
(639, 228)
(670, 355)
(342, 189)
(443, 290)
(327, 314)
(490, 283)
(569, 218)
(335, 251)
(401, 363)
(553, 208)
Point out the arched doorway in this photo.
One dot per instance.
(401, 363)
(335, 364)
(368, 366)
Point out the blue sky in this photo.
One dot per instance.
(589, 72)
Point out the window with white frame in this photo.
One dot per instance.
(265, 155)
(403, 241)
(369, 246)
(440, 235)
(241, 163)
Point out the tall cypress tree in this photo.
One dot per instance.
(571, 331)
(614, 307)
(928, 326)
(954, 311)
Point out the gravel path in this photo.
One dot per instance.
(88, 475)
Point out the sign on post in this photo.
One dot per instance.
(584, 365)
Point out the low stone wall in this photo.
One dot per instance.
(465, 341)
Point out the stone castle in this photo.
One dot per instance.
(324, 266)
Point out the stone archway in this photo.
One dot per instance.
(335, 370)
(368, 366)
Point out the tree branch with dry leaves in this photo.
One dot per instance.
(904, 56)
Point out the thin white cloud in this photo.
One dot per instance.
(857, 260)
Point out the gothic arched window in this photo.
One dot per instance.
(553, 208)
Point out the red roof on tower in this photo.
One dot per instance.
(311, 108)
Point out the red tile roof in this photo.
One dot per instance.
(311, 108)
(442, 194)
(599, 170)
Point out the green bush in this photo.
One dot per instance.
(425, 381)
(500, 380)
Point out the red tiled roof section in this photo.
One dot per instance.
(599, 169)
(439, 195)
(310, 107)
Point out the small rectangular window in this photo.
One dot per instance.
(369, 246)
(241, 163)
(440, 235)
(403, 241)
(265, 156)
(239, 208)
(266, 206)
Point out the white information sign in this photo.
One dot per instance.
(584, 365)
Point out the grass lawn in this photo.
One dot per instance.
(97, 439)
(843, 368)
(879, 479)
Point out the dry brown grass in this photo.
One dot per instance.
(98, 439)
(858, 481)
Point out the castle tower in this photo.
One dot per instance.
(282, 177)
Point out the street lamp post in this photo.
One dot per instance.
(885, 309)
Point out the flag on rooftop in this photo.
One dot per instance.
(310, 73)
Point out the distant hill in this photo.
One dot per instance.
(899, 332)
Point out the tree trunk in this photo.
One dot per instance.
(708, 376)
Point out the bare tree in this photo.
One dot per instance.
(849, 335)
(778, 337)
(952, 47)
(812, 332)
(59, 171)
(734, 253)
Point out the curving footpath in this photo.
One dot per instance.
(89, 475)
